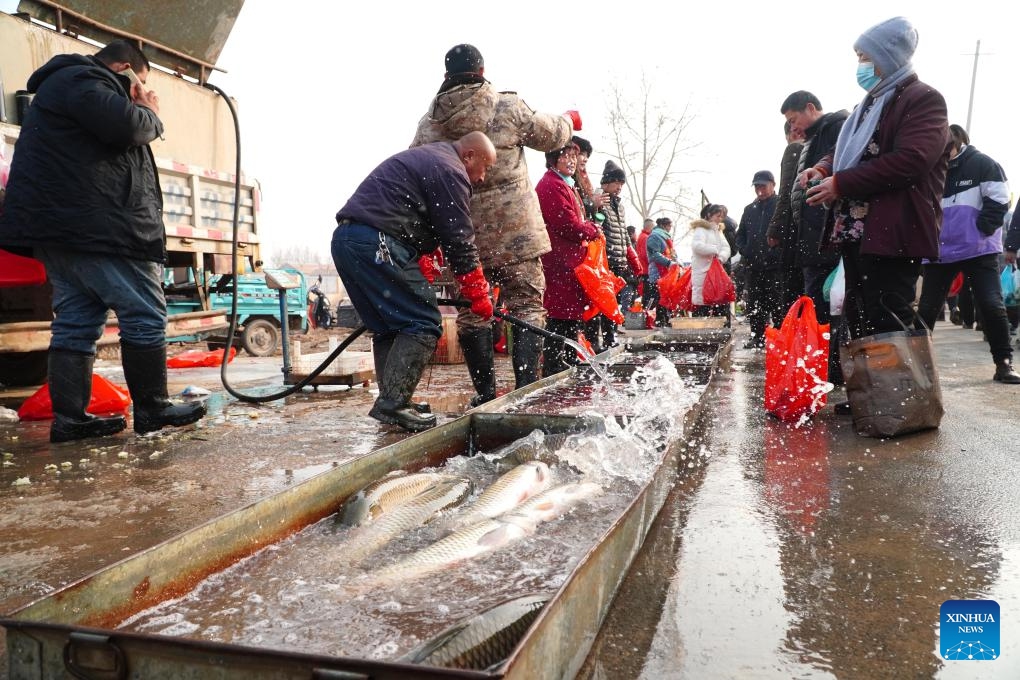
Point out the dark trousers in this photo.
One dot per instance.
(814, 283)
(557, 355)
(600, 332)
(879, 291)
(982, 273)
(792, 279)
(965, 303)
(650, 300)
(764, 288)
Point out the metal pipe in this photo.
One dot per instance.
(285, 335)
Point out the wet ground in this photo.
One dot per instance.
(816, 553)
(806, 552)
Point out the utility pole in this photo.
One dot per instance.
(973, 82)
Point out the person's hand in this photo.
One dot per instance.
(600, 199)
(475, 288)
(808, 175)
(146, 98)
(773, 241)
(1010, 256)
(824, 193)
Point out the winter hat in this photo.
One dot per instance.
(613, 173)
(464, 58)
(890, 44)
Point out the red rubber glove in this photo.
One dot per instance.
(575, 119)
(428, 268)
(475, 288)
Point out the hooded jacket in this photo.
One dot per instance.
(504, 209)
(708, 243)
(83, 177)
(974, 205)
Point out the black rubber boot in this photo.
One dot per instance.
(527, 357)
(70, 382)
(480, 359)
(145, 373)
(381, 345)
(1004, 372)
(405, 363)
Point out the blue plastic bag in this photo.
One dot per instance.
(1010, 292)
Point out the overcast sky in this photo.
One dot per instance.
(326, 92)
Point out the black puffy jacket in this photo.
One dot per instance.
(617, 238)
(83, 177)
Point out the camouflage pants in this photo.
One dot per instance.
(521, 289)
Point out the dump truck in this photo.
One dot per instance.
(195, 161)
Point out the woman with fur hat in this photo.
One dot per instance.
(707, 243)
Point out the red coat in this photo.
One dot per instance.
(569, 233)
(904, 184)
(642, 250)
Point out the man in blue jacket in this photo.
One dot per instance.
(412, 203)
(84, 198)
(974, 205)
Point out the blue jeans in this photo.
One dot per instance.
(87, 285)
(390, 297)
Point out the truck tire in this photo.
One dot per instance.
(23, 369)
(260, 337)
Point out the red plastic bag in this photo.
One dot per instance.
(797, 363)
(718, 288)
(956, 285)
(196, 358)
(599, 283)
(675, 288)
(16, 270)
(107, 399)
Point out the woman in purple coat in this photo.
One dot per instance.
(565, 299)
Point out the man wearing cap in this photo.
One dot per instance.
(511, 235)
(764, 263)
(884, 181)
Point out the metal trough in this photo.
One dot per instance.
(72, 631)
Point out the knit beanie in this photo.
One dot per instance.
(464, 58)
(613, 173)
(890, 44)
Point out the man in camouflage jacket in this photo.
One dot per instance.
(510, 231)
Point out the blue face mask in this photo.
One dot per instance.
(866, 77)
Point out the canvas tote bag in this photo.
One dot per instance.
(891, 383)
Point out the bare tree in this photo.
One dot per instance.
(298, 255)
(650, 144)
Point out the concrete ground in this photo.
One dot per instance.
(814, 552)
(796, 552)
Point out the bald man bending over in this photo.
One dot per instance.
(411, 204)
